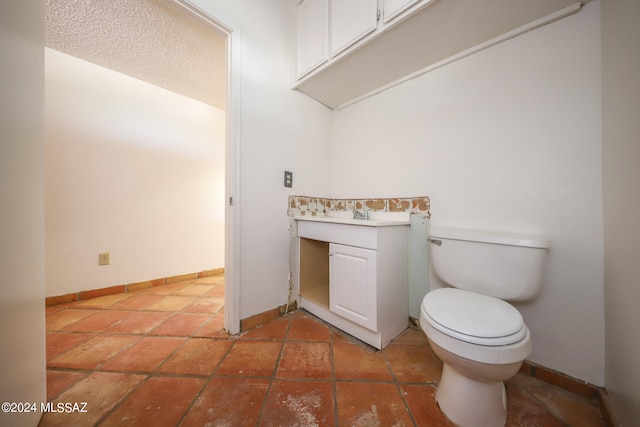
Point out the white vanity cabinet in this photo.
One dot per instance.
(353, 275)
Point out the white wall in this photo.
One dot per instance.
(621, 175)
(131, 169)
(506, 139)
(278, 129)
(22, 353)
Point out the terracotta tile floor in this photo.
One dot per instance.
(160, 357)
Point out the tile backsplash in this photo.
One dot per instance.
(317, 206)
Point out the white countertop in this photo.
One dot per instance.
(376, 219)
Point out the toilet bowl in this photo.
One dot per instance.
(471, 390)
(481, 339)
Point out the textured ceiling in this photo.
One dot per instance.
(143, 39)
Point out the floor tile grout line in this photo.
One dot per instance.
(292, 379)
(166, 359)
(281, 353)
(195, 399)
(211, 317)
(388, 363)
(84, 376)
(224, 357)
(97, 367)
(406, 404)
(120, 402)
(334, 383)
(332, 357)
(274, 373)
(365, 381)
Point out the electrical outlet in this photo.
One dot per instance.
(288, 179)
(104, 259)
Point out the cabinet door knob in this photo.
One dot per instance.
(331, 253)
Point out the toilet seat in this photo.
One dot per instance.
(473, 318)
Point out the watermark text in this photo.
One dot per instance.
(60, 407)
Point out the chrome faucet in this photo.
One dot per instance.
(361, 215)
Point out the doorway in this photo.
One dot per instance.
(80, 254)
(232, 170)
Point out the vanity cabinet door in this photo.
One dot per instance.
(350, 21)
(352, 284)
(313, 36)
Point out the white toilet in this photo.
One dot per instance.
(481, 339)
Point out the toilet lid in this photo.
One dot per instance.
(473, 317)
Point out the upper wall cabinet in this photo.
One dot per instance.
(392, 8)
(328, 27)
(350, 49)
(313, 35)
(350, 21)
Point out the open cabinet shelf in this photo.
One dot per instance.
(314, 271)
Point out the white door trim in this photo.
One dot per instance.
(232, 161)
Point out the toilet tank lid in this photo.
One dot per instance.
(490, 237)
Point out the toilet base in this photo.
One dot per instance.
(469, 402)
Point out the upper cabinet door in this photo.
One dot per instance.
(351, 20)
(313, 36)
(393, 8)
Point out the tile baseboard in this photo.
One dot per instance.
(93, 293)
(266, 316)
(609, 417)
(561, 380)
(575, 386)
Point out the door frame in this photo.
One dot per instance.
(232, 159)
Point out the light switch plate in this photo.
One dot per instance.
(288, 179)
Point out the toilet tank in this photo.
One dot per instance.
(507, 267)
